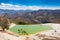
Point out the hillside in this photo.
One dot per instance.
(32, 17)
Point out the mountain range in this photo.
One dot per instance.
(32, 17)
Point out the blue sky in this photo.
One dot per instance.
(29, 4)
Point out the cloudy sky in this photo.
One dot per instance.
(29, 4)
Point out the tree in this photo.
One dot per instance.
(4, 23)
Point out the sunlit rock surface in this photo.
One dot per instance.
(53, 34)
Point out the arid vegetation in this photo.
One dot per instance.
(4, 23)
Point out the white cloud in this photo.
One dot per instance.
(23, 7)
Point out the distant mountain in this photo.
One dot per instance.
(33, 17)
(14, 11)
(44, 16)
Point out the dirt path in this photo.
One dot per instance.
(6, 36)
